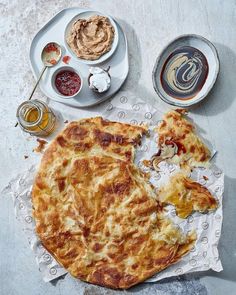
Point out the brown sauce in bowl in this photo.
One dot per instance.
(184, 73)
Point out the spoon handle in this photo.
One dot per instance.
(35, 86)
(39, 78)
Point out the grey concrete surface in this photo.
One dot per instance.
(149, 25)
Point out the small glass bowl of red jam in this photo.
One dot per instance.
(67, 82)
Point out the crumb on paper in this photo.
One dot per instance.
(205, 177)
(148, 135)
(147, 163)
(148, 176)
(26, 157)
(66, 121)
(182, 111)
(41, 145)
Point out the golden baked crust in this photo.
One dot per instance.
(96, 212)
(187, 196)
(177, 131)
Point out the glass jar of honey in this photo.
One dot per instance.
(36, 118)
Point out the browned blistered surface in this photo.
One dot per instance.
(97, 213)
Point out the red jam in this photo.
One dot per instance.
(67, 82)
(51, 47)
(52, 61)
(66, 59)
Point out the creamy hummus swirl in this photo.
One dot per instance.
(91, 38)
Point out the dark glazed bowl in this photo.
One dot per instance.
(200, 43)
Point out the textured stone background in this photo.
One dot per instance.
(149, 25)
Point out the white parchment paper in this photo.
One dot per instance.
(127, 108)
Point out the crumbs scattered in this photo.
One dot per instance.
(26, 157)
(147, 163)
(66, 121)
(148, 176)
(66, 59)
(41, 145)
(182, 111)
(205, 177)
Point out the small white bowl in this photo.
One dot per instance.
(85, 15)
(61, 69)
(209, 51)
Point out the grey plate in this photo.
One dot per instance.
(54, 31)
(202, 44)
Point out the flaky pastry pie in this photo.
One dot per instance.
(97, 213)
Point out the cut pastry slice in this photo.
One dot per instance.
(187, 196)
(179, 143)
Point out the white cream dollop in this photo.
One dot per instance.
(100, 80)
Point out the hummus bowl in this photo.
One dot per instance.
(86, 15)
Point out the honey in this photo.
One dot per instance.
(32, 115)
(36, 118)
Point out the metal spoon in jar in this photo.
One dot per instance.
(50, 56)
